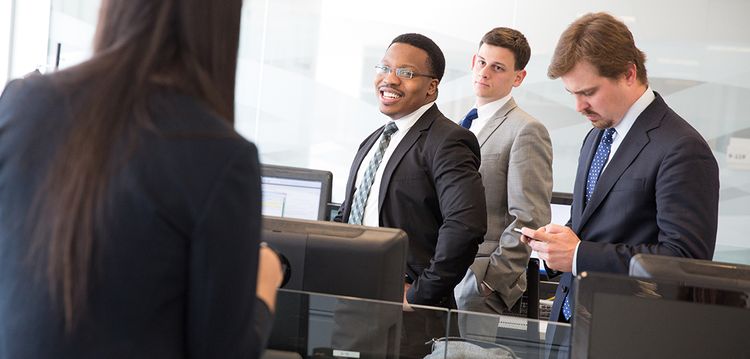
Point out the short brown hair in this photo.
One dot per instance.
(512, 40)
(601, 40)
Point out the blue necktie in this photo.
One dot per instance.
(470, 117)
(363, 191)
(600, 158)
(567, 313)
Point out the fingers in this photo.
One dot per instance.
(555, 228)
(527, 234)
(538, 235)
(269, 266)
(539, 246)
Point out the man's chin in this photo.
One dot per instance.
(601, 124)
(388, 111)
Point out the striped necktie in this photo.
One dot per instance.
(363, 191)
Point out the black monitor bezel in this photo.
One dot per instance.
(305, 174)
(587, 285)
(694, 272)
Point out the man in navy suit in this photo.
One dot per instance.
(647, 181)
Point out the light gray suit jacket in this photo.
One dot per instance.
(517, 175)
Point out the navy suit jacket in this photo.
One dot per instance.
(659, 195)
(431, 189)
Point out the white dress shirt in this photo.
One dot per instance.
(621, 130)
(485, 112)
(371, 216)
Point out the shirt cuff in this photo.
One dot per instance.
(575, 259)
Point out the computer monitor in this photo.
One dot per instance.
(560, 205)
(339, 259)
(691, 271)
(294, 192)
(618, 316)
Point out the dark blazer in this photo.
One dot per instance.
(659, 195)
(175, 269)
(431, 189)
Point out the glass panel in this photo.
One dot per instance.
(306, 95)
(486, 335)
(305, 92)
(321, 325)
(72, 27)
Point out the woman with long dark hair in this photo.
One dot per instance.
(129, 206)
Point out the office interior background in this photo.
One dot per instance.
(305, 92)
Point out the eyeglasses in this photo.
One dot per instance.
(401, 72)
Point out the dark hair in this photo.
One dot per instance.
(601, 40)
(189, 46)
(512, 40)
(435, 58)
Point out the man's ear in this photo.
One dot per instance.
(631, 74)
(519, 78)
(432, 90)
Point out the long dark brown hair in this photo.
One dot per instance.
(188, 45)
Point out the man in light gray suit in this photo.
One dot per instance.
(516, 172)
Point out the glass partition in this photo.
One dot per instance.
(327, 326)
(305, 93)
(485, 335)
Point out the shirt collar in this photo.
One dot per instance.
(634, 111)
(491, 108)
(406, 122)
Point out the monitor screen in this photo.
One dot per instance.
(625, 317)
(296, 192)
(560, 204)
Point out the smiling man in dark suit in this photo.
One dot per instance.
(427, 182)
(420, 173)
(647, 181)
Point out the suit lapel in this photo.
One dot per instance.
(358, 158)
(422, 125)
(636, 139)
(579, 189)
(495, 121)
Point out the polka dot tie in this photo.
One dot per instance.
(567, 313)
(470, 117)
(600, 158)
(363, 191)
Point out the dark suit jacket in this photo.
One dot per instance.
(175, 269)
(659, 194)
(431, 189)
